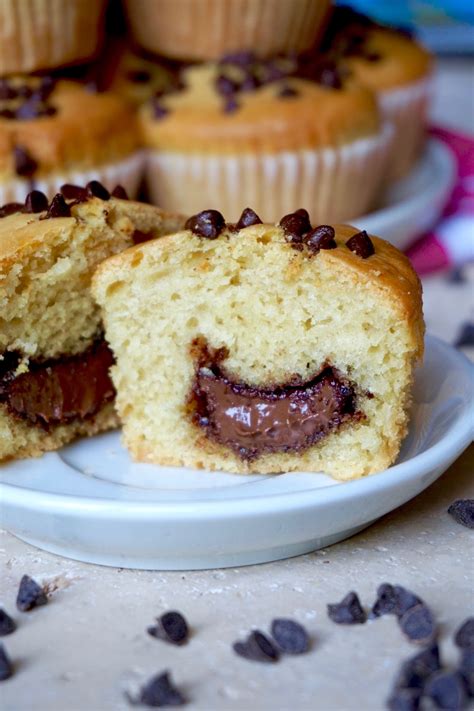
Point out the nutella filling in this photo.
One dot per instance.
(287, 418)
(60, 390)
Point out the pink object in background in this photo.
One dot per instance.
(451, 242)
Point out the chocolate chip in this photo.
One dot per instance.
(248, 218)
(447, 690)
(257, 647)
(462, 511)
(33, 108)
(231, 105)
(296, 224)
(386, 601)
(466, 335)
(74, 192)
(160, 691)
(225, 86)
(287, 92)
(7, 113)
(171, 627)
(6, 90)
(404, 700)
(240, 58)
(290, 636)
(36, 201)
(250, 83)
(418, 624)
(464, 637)
(138, 76)
(328, 75)
(6, 667)
(415, 671)
(405, 600)
(159, 111)
(25, 165)
(30, 594)
(58, 207)
(466, 669)
(96, 189)
(46, 87)
(347, 612)
(372, 56)
(7, 624)
(138, 237)
(321, 237)
(119, 192)
(361, 244)
(208, 223)
(11, 208)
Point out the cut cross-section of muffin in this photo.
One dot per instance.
(54, 363)
(263, 348)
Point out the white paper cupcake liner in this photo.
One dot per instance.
(127, 172)
(406, 108)
(37, 34)
(333, 184)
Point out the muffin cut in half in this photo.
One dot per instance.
(263, 348)
(54, 363)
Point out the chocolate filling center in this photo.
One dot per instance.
(287, 418)
(60, 390)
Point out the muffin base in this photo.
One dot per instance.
(334, 184)
(127, 172)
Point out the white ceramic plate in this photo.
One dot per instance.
(413, 205)
(90, 502)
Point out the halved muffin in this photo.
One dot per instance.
(263, 348)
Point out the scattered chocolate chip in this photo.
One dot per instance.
(74, 192)
(250, 83)
(248, 218)
(11, 208)
(466, 335)
(7, 113)
(462, 511)
(296, 224)
(347, 612)
(386, 601)
(328, 75)
(418, 624)
(6, 90)
(257, 647)
(372, 56)
(361, 244)
(404, 700)
(287, 92)
(160, 691)
(25, 165)
(6, 667)
(290, 636)
(30, 594)
(171, 627)
(240, 58)
(464, 637)
(321, 237)
(208, 223)
(138, 76)
(7, 624)
(138, 237)
(447, 690)
(405, 600)
(119, 192)
(231, 105)
(159, 111)
(36, 201)
(225, 86)
(96, 189)
(415, 671)
(58, 207)
(466, 669)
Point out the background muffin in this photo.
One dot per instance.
(205, 29)
(396, 68)
(39, 34)
(244, 131)
(57, 132)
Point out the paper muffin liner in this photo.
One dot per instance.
(406, 108)
(127, 172)
(37, 34)
(333, 184)
(207, 29)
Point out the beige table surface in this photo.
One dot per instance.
(89, 643)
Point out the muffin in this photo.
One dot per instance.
(54, 362)
(42, 34)
(201, 30)
(396, 68)
(137, 78)
(259, 348)
(267, 133)
(55, 132)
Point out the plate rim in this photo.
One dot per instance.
(451, 444)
